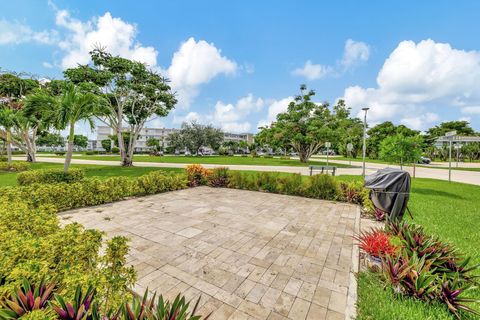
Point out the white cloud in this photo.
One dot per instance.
(189, 117)
(471, 110)
(231, 117)
(417, 77)
(274, 108)
(15, 32)
(116, 35)
(236, 127)
(419, 122)
(47, 65)
(312, 71)
(355, 52)
(196, 63)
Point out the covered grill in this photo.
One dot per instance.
(390, 191)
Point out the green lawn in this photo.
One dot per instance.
(260, 161)
(449, 210)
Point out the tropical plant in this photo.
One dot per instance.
(219, 177)
(78, 308)
(376, 243)
(133, 93)
(25, 299)
(65, 110)
(197, 175)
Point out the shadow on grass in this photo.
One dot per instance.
(434, 192)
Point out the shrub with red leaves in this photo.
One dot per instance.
(376, 243)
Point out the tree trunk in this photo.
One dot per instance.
(303, 157)
(9, 147)
(68, 157)
(414, 166)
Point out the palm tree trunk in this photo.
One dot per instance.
(9, 147)
(68, 157)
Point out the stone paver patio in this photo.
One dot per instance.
(250, 255)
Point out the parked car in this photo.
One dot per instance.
(425, 160)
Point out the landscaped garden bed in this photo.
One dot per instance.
(28, 214)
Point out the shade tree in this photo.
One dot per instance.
(401, 149)
(134, 94)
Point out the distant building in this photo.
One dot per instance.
(161, 134)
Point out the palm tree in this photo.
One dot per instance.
(7, 121)
(66, 110)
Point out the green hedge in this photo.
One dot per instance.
(14, 166)
(50, 176)
(93, 191)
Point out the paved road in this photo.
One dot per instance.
(470, 177)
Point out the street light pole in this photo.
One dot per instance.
(364, 138)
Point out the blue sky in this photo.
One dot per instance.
(237, 64)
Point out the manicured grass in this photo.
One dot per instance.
(258, 161)
(448, 210)
(102, 172)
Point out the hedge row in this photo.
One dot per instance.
(50, 176)
(14, 166)
(93, 191)
(319, 186)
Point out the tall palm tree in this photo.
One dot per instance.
(7, 121)
(65, 110)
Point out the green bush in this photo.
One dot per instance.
(322, 186)
(115, 150)
(291, 184)
(50, 176)
(91, 153)
(35, 247)
(14, 166)
(3, 159)
(266, 181)
(60, 153)
(240, 180)
(218, 178)
(93, 191)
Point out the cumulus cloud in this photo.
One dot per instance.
(196, 63)
(312, 71)
(355, 52)
(417, 77)
(232, 116)
(116, 35)
(15, 32)
(274, 108)
(471, 110)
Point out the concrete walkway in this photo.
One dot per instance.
(249, 255)
(470, 177)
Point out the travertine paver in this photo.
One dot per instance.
(249, 255)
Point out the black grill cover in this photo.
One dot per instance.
(390, 190)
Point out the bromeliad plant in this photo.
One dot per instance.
(78, 308)
(27, 298)
(428, 269)
(377, 243)
(33, 301)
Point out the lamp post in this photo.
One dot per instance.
(364, 138)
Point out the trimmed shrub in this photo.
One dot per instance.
(3, 159)
(322, 186)
(115, 150)
(50, 176)
(14, 166)
(93, 191)
(266, 181)
(291, 184)
(197, 175)
(60, 153)
(219, 177)
(34, 248)
(240, 180)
